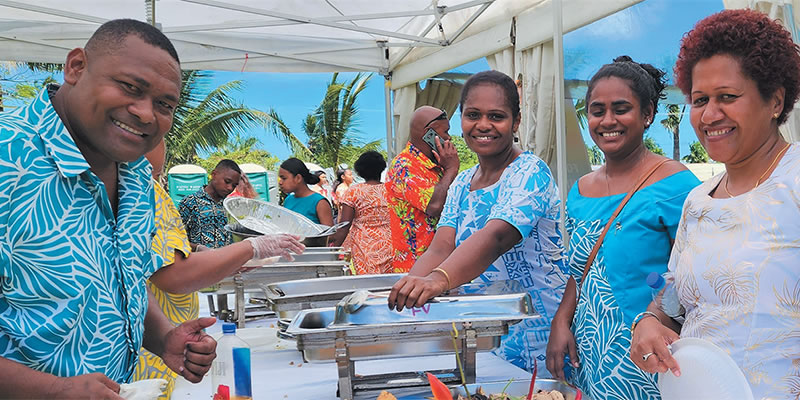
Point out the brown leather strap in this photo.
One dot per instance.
(599, 242)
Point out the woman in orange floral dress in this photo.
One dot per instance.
(368, 237)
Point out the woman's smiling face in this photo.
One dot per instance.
(616, 120)
(486, 120)
(729, 115)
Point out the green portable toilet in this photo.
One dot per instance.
(258, 178)
(184, 180)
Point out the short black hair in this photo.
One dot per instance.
(370, 165)
(646, 81)
(229, 164)
(112, 34)
(297, 167)
(495, 78)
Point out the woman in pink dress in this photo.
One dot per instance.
(368, 236)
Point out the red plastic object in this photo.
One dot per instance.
(440, 390)
(579, 395)
(533, 380)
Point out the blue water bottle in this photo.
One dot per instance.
(666, 296)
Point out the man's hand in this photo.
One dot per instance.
(90, 386)
(446, 155)
(188, 350)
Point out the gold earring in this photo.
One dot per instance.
(776, 115)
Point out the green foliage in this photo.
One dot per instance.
(580, 111)
(330, 128)
(697, 154)
(242, 150)
(596, 156)
(651, 145)
(19, 82)
(466, 156)
(672, 123)
(206, 117)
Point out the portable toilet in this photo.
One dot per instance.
(184, 180)
(258, 178)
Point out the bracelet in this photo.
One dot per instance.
(639, 317)
(446, 276)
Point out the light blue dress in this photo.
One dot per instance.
(72, 274)
(304, 205)
(615, 291)
(526, 197)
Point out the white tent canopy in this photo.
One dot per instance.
(406, 41)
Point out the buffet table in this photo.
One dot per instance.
(280, 373)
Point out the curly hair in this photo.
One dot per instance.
(370, 165)
(646, 81)
(763, 47)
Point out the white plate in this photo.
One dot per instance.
(707, 372)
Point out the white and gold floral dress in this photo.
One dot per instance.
(737, 267)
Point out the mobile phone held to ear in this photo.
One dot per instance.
(430, 138)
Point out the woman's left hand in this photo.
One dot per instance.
(414, 291)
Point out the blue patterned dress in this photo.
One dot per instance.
(72, 274)
(615, 290)
(526, 197)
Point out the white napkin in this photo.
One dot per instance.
(148, 389)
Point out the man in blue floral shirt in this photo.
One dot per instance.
(202, 212)
(76, 218)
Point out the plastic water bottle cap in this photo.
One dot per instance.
(228, 327)
(655, 280)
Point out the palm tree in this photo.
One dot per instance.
(672, 123)
(26, 87)
(328, 126)
(204, 120)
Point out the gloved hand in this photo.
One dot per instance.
(276, 245)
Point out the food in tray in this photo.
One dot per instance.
(386, 396)
(480, 395)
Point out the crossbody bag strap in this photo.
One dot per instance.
(599, 242)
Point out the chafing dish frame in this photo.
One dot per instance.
(345, 337)
(253, 281)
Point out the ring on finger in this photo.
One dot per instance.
(646, 356)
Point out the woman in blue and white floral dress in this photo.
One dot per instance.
(500, 221)
(622, 99)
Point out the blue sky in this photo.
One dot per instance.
(648, 32)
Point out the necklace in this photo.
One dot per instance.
(758, 182)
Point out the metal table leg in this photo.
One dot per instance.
(240, 314)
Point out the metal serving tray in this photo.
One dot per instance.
(376, 330)
(287, 298)
(373, 310)
(316, 338)
(515, 388)
(255, 279)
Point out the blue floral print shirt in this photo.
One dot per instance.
(526, 197)
(72, 275)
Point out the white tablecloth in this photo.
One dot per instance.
(279, 371)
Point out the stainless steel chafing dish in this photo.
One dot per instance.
(288, 298)
(367, 329)
(255, 279)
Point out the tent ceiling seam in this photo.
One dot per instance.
(313, 21)
(51, 11)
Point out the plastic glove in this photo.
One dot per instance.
(276, 245)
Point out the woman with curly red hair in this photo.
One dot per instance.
(736, 251)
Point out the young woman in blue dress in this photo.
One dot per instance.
(293, 179)
(622, 101)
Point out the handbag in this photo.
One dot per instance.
(599, 242)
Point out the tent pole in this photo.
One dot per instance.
(561, 137)
(387, 103)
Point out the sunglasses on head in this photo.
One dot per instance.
(441, 116)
